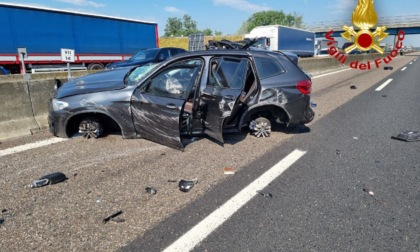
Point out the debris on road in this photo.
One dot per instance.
(109, 217)
(228, 170)
(372, 194)
(388, 68)
(186, 185)
(1, 221)
(313, 105)
(4, 211)
(151, 190)
(338, 152)
(50, 179)
(172, 180)
(265, 194)
(353, 87)
(408, 136)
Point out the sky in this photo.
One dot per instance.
(227, 16)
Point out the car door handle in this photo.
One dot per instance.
(171, 106)
(229, 97)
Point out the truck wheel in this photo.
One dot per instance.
(96, 66)
(260, 127)
(91, 127)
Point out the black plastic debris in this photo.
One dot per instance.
(186, 185)
(151, 190)
(50, 179)
(388, 68)
(112, 216)
(1, 221)
(265, 194)
(408, 136)
(353, 87)
(4, 211)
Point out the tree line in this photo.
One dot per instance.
(177, 27)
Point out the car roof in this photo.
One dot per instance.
(225, 52)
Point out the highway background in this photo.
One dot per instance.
(318, 203)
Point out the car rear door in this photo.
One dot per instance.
(220, 96)
(157, 105)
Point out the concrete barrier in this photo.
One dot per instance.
(24, 108)
(327, 63)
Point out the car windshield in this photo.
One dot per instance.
(145, 55)
(138, 73)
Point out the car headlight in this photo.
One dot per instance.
(59, 105)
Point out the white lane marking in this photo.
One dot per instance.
(411, 63)
(322, 75)
(403, 69)
(198, 233)
(383, 85)
(30, 146)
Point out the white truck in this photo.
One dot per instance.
(285, 39)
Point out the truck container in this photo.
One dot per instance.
(96, 40)
(322, 46)
(286, 39)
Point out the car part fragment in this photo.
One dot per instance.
(265, 194)
(408, 136)
(186, 185)
(260, 127)
(109, 217)
(91, 128)
(50, 179)
(151, 190)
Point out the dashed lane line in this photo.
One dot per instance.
(403, 69)
(383, 85)
(198, 233)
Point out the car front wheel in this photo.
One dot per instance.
(91, 128)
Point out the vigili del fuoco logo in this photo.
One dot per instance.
(365, 18)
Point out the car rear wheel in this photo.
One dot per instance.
(91, 128)
(260, 127)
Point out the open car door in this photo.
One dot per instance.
(221, 94)
(157, 104)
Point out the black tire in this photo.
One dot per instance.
(260, 127)
(96, 66)
(91, 127)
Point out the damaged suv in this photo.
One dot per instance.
(206, 92)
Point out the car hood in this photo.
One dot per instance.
(128, 63)
(97, 82)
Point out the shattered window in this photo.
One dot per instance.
(267, 67)
(175, 82)
(228, 73)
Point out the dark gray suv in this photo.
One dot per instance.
(206, 92)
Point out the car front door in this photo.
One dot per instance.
(157, 104)
(220, 96)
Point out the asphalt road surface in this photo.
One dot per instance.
(339, 184)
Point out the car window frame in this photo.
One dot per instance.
(268, 57)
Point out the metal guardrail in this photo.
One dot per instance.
(389, 22)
